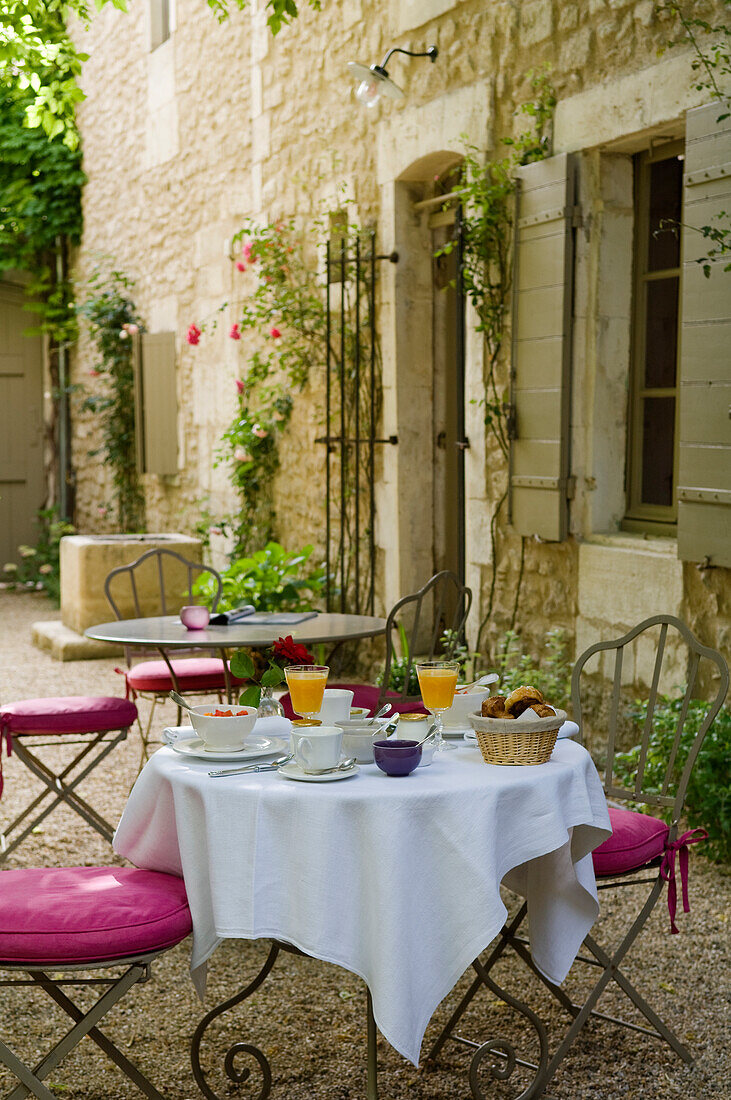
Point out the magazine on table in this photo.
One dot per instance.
(249, 615)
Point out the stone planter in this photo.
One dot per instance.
(86, 560)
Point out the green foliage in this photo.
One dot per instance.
(708, 800)
(285, 313)
(402, 676)
(271, 579)
(551, 673)
(281, 12)
(40, 188)
(110, 312)
(39, 567)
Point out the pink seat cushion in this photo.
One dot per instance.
(636, 839)
(67, 714)
(194, 674)
(57, 915)
(364, 695)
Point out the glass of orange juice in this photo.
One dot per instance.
(437, 682)
(306, 685)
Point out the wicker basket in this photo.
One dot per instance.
(507, 741)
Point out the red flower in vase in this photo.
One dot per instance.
(285, 651)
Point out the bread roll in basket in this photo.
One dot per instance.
(517, 740)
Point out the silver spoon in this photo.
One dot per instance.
(384, 709)
(180, 702)
(267, 765)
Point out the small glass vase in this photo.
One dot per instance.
(269, 707)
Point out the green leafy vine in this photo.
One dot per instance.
(488, 196)
(113, 321)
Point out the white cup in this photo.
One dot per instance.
(317, 748)
(336, 704)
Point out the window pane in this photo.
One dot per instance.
(658, 436)
(666, 183)
(661, 333)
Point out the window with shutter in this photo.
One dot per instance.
(156, 403)
(704, 461)
(542, 308)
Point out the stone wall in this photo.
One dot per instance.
(223, 122)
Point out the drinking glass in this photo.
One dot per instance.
(437, 683)
(306, 685)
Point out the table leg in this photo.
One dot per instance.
(372, 1072)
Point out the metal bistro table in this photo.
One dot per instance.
(167, 632)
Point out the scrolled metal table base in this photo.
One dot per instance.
(237, 1076)
(501, 1051)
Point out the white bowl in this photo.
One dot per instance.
(358, 738)
(464, 704)
(223, 733)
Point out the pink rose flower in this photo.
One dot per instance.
(259, 432)
(242, 455)
(274, 332)
(240, 266)
(240, 388)
(132, 329)
(123, 334)
(194, 335)
(94, 373)
(248, 253)
(234, 333)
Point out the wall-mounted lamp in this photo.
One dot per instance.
(374, 81)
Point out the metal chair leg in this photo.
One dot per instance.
(372, 1070)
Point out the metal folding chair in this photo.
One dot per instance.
(443, 604)
(70, 921)
(157, 573)
(641, 850)
(93, 725)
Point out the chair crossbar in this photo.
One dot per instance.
(58, 790)
(84, 1024)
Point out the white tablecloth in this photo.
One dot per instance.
(394, 879)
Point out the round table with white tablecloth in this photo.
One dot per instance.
(395, 879)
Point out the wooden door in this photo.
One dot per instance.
(21, 426)
(449, 418)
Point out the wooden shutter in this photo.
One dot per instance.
(704, 459)
(542, 308)
(156, 403)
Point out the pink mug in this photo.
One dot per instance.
(194, 617)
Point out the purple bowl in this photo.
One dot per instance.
(397, 757)
(194, 617)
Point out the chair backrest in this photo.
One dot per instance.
(442, 604)
(642, 791)
(159, 578)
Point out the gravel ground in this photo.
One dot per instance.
(309, 1017)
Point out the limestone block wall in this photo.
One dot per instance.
(223, 122)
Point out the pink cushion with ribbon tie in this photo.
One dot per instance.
(67, 714)
(57, 915)
(194, 674)
(364, 695)
(636, 839)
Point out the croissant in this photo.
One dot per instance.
(494, 707)
(522, 698)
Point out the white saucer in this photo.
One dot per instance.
(255, 746)
(292, 770)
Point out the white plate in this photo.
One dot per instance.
(255, 746)
(357, 714)
(456, 731)
(292, 770)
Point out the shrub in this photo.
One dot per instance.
(39, 567)
(708, 800)
(551, 674)
(272, 579)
